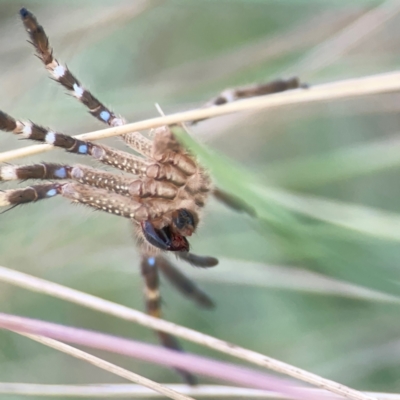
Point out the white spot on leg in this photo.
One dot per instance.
(50, 137)
(78, 91)
(26, 131)
(58, 72)
(8, 173)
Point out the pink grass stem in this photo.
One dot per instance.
(196, 364)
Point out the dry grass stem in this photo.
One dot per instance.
(74, 296)
(382, 83)
(105, 365)
(138, 391)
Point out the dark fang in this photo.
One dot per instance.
(157, 238)
(164, 239)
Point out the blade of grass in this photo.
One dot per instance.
(273, 204)
(323, 169)
(294, 220)
(243, 272)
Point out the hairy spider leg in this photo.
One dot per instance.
(63, 75)
(155, 176)
(244, 92)
(183, 283)
(120, 184)
(198, 261)
(106, 155)
(98, 199)
(149, 269)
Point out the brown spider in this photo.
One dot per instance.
(163, 200)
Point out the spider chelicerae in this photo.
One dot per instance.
(162, 194)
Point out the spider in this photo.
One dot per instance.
(162, 194)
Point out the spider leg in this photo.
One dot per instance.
(98, 199)
(139, 143)
(29, 194)
(175, 169)
(168, 150)
(106, 155)
(175, 164)
(244, 92)
(149, 268)
(99, 189)
(63, 75)
(123, 185)
(198, 261)
(181, 282)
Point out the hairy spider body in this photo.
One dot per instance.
(162, 193)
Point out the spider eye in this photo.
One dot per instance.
(164, 238)
(183, 220)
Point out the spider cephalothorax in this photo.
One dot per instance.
(162, 191)
(177, 189)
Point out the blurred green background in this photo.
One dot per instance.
(277, 287)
